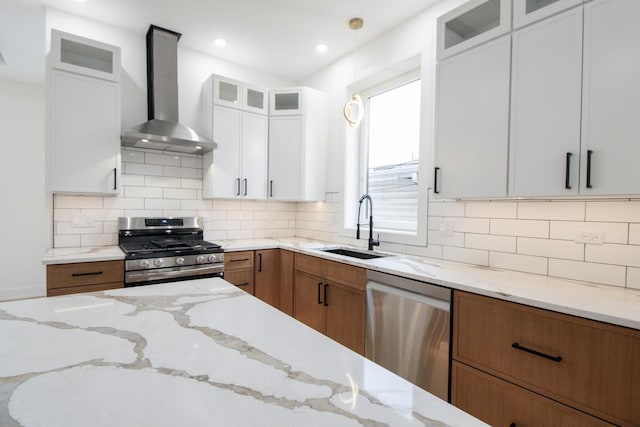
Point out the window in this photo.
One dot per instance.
(386, 162)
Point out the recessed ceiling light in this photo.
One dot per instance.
(198, 147)
(322, 48)
(144, 140)
(219, 42)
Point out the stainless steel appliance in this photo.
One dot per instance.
(161, 250)
(408, 330)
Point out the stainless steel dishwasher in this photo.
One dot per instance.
(408, 330)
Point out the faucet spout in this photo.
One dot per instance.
(372, 242)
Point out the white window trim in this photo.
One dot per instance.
(355, 140)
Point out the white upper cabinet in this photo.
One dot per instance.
(84, 134)
(287, 102)
(84, 56)
(611, 98)
(297, 148)
(472, 124)
(227, 92)
(526, 12)
(255, 99)
(546, 92)
(471, 24)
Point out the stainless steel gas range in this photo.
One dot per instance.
(159, 250)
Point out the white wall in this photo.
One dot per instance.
(23, 216)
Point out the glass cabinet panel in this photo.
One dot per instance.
(526, 12)
(84, 56)
(287, 101)
(228, 92)
(255, 98)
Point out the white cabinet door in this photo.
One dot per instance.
(225, 182)
(227, 92)
(254, 155)
(472, 122)
(84, 134)
(611, 98)
(545, 107)
(255, 99)
(84, 56)
(286, 135)
(529, 11)
(287, 102)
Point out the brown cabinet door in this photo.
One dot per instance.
(355, 277)
(241, 278)
(345, 316)
(308, 303)
(499, 403)
(238, 260)
(588, 365)
(267, 276)
(286, 281)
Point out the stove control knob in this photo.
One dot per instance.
(158, 262)
(144, 264)
(180, 261)
(200, 259)
(212, 258)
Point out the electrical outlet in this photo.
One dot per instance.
(79, 221)
(445, 227)
(590, 237)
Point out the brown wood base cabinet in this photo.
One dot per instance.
(64, 279)
(524, 366)
(329, 297)
(238, 270)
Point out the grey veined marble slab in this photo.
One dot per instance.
(195, 353)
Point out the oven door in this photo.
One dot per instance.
(172, 274)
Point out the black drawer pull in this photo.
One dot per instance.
(512, 425)
(320, 293)
(567, 172)
(326, 301)
(92, 273)
(589, 155)
(243, 284)
(435, 180)
(115, 175)
(537, 353)
(239, 260)
(260, 263)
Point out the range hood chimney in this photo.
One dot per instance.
(163, 131)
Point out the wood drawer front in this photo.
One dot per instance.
(599, 371)
(310, 264)
(355, 277)
(500, 403)
(238, 260)
(84, 288)
(86, 273)
(242, 279)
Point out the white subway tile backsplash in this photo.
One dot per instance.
(620, 211)
(179, 193)
(162, 159)
(180, 172)
(143, 192)
(253, 205)
(62, 227)
(490, 242)
(550, 248)
(614, 232)
(126, 180)
(524, 263)
(556, 210)
(191, 162)
(162, 181)
(601, 273)
(520, 227)
(102, 214)
(633, 278)
(191, 183)
(471, 225)
(634, 234)
(66, 240)
(142, 169)
(98, 240)
(65, 214)
(628, 255)
(431, 251)
(162, 204)
(62, 201)
(446, 209)
(143, 212)
(240, 234)
(197, 204)
(131, 156)
(469, 256)
(444, 239)
(178, 212)
(491, 209)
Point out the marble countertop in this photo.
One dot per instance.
(191, 353)
(618, 306)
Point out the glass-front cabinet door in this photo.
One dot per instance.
(471, 24)
(256, 99)
(287, 102)
(227, 92)
(84, 56)
(526, 12)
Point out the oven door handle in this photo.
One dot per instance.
(170, 273)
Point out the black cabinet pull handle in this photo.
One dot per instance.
(237, 186)
(320, 293)
(239, 260)
(93, 273)
(589, 154)
(435, 180)
(512, 425)
(259, 262)
(537, 353)
(115, 183)
(270, 188)
(243, 284)
(567, 172)
(245, 186)
(326, 303)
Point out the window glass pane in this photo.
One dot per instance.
(393, 156)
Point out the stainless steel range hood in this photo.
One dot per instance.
(163, 131)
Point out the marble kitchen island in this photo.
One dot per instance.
(193, 353)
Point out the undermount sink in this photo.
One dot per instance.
(353, 254)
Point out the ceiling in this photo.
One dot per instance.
(276, 36)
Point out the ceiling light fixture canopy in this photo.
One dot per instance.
(354, 108)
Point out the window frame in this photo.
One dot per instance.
(356, 163)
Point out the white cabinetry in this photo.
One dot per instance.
(84, 56)
(84, 129)
(529, 11)
(611, 98)
(472, 122)
(297, 145)
(545, 107)
(238, 167)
